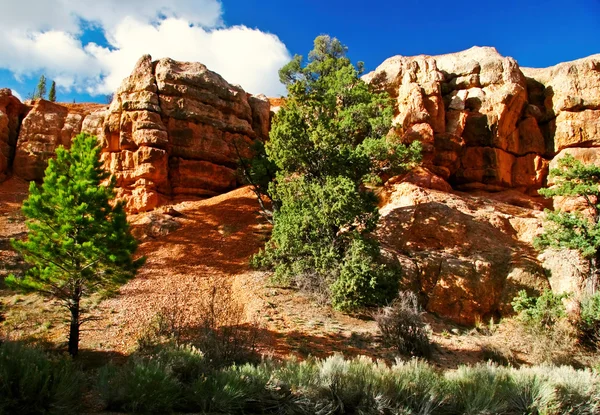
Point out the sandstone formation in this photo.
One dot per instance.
(173, 129)
(11, 113)
(486, 123)
(47, 126)
(467, 256)
(488, 127)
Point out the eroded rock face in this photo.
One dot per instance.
(11, 113)
(486, 123)
(467, 256)
(173, 129)
(47, 126)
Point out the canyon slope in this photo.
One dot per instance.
(461, 225)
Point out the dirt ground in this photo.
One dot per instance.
(194, 246)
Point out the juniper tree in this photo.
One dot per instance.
(52, 93)
(329, 138)
(78, 241)
(575, 230)
(40, 90)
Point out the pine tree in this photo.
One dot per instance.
(40, 91)
(78, 242)
(52, 93)
(575, 230)
(326, 142)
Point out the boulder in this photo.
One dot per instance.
(467, 256)
(178, 129)
(565, 99)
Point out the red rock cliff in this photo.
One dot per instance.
(488, 124)
(12, 112)
(171, 130)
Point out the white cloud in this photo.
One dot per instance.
(48, 39)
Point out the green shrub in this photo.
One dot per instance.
(480, 389)
(590, 320)
(548, 389)
(402, 326)
(32, 382)
(414, 387)
(577, 391)
(345, 386)
(362, 281)
(552, 337)
(239, 389)
(359, 385)
(326, 143)
(541, 312)
(142, 385)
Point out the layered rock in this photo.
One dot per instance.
(173, 129)
(11, 113)
(487, 124)
(569, 96)
(47, 126)
(467, 256)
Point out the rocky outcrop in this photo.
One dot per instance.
(487, 124)
(47, 126)
(174, 129)
(569, 97)
(12, 112)
(467, 256)
(488, 127)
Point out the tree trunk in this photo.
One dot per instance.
(593, 278)
(74, 327)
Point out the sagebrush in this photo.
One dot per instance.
(402, 326)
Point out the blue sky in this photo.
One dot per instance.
(88, 46)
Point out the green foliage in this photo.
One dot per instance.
(239, 389)
(544, 320)
(177, 378)
(52, 93)
(40, 90)
(541, 312)
(258, 171)
(482, 389)
(33, 383)
(589, 324)
(77, 242)
(575, 230)
(570, 230)
(326, 142)
(314, 224)
(145, 386)
(573, 178)
(362, 281)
